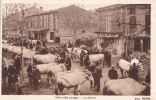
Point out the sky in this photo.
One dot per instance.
(46, 7)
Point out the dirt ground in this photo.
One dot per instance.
(46, 89)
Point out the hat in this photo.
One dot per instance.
(112, 65)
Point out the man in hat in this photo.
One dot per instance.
(112, 74)
(35, 77)
(133, 72)
(68, 62)
(86, 61)
(29, 71)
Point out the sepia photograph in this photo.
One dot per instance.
(76, 49)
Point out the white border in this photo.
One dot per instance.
(96, 2)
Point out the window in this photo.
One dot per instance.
(132, 22)
(51, 35)
(132, 10)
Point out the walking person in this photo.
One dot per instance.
(112, 74)
(68, 62)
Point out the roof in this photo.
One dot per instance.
(120, 5)
(107, 32)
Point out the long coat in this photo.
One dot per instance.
(68, 63)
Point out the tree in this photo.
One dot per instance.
(14, 19)
(89, 42)
(78, 42)
(74, 18)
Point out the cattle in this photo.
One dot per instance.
(125, 66)
(44, 59)
(72, 79)
(125, 86)
(51, 69)
(96, 57)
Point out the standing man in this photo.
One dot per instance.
(18, 64)
(109, 59)
(133, 72)
(106, 57)
(86, 61)
(35, 77)
(29, 72)
(68, 62)
(81, 57)
(4, 74)
(112, 74)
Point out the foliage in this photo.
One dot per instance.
(78, 42)
(89, 42)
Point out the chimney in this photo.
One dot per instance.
(41, 8)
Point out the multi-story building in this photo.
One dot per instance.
(124, 27)
(61, 25)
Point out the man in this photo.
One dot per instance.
(133, 72)
(35, 77)
(12, 76)
(97, 74)
(86, 61)
(106, 57)
(4, 74)
(63, 56)
(18, 64)
(29, 72)
(112, 74)
(68, 62)
(81, 57)
(109, 58)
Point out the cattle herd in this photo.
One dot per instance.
(51, 65)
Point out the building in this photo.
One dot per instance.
(60, 25)
(12, 21)
(124, 27)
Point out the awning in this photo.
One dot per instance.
(40, 29)
(108, 34)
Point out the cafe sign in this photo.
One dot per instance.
(109, 35)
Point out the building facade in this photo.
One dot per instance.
(124, 27)
(61, 25)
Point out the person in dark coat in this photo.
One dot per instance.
(29, 72)
(35, 77)
(18, 64)
(106, 57)
(112, 74)
(68, 63)
(148, 78)
(109, 58)
(133, 72)
(19, 91)
(86, 61)
(31, 45)
(96, 71)
(4, 74)
(12, 76)
(82, 54)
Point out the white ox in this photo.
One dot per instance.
(52, 68)
(72, 79)
(126, 86)
(96, 57)
(45, 59)
(125, 66)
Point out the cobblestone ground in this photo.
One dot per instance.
(46, 89)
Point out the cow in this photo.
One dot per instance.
(96, 57)
(72, 79)
(51, 69)
(44, 59)
(125, 66)
(125, 86)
